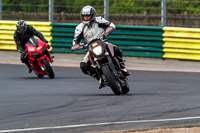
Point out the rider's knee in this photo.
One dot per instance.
(23, 60)
(84, 67)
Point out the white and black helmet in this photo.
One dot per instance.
(21, 26)
(88, 11)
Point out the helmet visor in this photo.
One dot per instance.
(87, 17)
(21, 28)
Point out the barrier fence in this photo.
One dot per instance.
(7, 30)
(140, 41)
(181, 43)
(133, 40)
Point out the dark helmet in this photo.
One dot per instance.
(21, 26)
(88, 14)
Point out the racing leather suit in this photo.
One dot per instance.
(22, 38)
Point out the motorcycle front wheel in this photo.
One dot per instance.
(48, 68)
(112, 82)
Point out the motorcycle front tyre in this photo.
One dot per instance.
(112, 82)
(48, 68)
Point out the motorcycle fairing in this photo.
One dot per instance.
(35, 47)
(37, 51)
(33, 42)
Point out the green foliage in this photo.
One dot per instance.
(134, 7)
(115, 6)
(25, 5)
(74, 6)
(184, 6)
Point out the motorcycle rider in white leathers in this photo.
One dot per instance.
(91, 28)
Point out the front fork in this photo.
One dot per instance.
(112, 69)
(40, 61)
(110, 63)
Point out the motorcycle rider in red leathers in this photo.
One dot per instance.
(91, 28)
(21, 36)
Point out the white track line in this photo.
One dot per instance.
(97, 124)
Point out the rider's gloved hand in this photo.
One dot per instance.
(45, 41)
(76, 46)
(108, 31)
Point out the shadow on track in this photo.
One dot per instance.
(35, 78)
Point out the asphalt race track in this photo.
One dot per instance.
(73, 103)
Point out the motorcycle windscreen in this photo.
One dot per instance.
(33, 42)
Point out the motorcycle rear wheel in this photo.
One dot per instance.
(48, 68)
(114, 85)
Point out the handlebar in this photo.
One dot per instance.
(84, 44)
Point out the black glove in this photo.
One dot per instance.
(45, 41)
(48, 46)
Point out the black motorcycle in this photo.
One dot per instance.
(101, 56)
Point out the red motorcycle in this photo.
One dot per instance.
(39, 57)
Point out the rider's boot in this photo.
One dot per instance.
(96, 76)
(89, 70)
(30, 69)
(123, 68)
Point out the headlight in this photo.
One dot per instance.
(97, 50)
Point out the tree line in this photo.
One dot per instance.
(115, 6)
